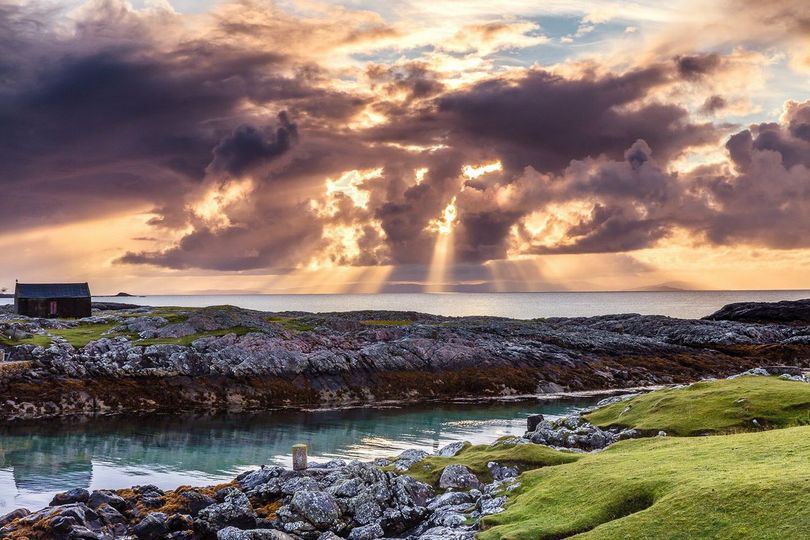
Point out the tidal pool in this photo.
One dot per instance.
(39, 459)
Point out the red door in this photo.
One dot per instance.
(53, 307)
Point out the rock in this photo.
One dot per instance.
(152, 527)
(450, 498)
(494, 505)
(409, 458)
(317, 507)
(764, 312)
(367, 532)
(235, 511)
(103, 496)
(196, 501)
(411, 492)
(501, 473)
(14, 514)
(450, 450)
(232, 533)
(532, 421)
(458, 477)
(256, 478)
(71, 496)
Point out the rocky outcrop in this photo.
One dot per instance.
(331, 501)
(797, 311)
(226, 358)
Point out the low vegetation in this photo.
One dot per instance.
(724, 406)
(188, 340)
(79, 336)
(753, 485)
(523, 456)
(384, 322)
(727, 486)
(292, 324)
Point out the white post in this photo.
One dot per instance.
(299, 457)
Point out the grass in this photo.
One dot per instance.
(713, 407)
(387, 322)
(292, 324)
(749, 485)
(35, 339)
(475, 458)
(81, 335)
(188, 340)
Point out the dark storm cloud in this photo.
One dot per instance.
(694, 67)
(123, 115)
(248, 146)
(545, 121)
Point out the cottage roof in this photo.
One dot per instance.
(52, 290)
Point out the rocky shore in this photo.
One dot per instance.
(227, 358)
(338, 499)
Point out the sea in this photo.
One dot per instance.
(525, 305)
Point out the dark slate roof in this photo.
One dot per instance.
(52, 290)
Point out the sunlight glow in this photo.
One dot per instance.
(475, 171)
(212, 207)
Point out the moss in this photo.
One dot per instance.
(188, 340)
(383, 322)
(81, 335)
(751, 485)
(36, 339)
(292, 324)
(722, 406)
(523, 456)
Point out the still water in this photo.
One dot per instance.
(682, 304)
(39, 459)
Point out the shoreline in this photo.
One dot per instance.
(225, 358)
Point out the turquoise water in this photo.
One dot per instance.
(683, 304)
(39, 459)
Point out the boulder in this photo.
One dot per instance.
(71, 496)
(451, 449)
(458, 477)
(232, 533)
(235, 511)
(152, 527)
(317, 507)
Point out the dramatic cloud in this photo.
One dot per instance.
(256, 136)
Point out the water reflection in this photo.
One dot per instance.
(40, 459)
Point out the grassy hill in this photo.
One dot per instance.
(737, 485)
(724, 406)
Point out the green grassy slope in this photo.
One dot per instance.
(752, 485)
(475, 458)
(723, 406)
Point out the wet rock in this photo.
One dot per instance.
(196, 501)
(104, 496)
(14, 514)
(71, 496)
(458, 477)
(152, 527)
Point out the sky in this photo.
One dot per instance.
(361, 146)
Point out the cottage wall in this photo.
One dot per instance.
(65, 307)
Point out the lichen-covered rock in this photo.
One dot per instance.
(317, 507)
(450, 450)
(458, 477)
(235, 511)
(232, 533)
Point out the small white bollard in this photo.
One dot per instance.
(2, 356)
(299, 457)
